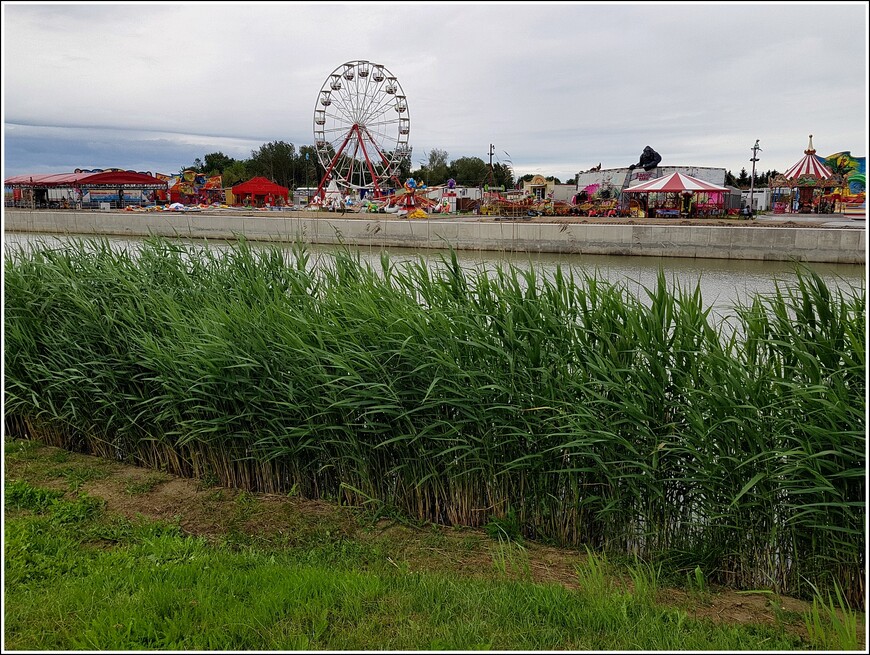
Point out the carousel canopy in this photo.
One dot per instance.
(676, 183)
(809, 165)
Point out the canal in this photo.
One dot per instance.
(723, 282)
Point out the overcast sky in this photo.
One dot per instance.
(556, 88)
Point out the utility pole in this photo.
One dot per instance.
(491, 152)
(755, 150)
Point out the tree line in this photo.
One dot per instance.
(744, 180)
(292, 167)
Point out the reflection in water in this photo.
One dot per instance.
(723, 282)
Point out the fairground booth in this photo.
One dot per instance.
(191, 188)
(850, 198)
(87, 189)
(676, 195)
(260, 192)
(803, 187)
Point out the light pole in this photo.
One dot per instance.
(754, 159)
(307, 185)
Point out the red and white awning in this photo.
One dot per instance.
(676, 183)
(809, 165)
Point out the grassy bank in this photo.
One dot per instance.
(87, 567)
(564, 407)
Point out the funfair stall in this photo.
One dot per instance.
(677, 195)
(193, 188)
(261, 192)
(100, 188)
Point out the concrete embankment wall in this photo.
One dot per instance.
(829, 245)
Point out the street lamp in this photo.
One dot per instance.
(754, 159)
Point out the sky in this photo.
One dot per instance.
(554, 88)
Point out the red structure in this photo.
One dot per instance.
(82, 186)
(259, 191)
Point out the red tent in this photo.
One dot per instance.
(259, 190)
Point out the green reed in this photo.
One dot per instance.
(639, 426)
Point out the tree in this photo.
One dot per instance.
(469, 171)
(729, 179)
(743, 179)
(309, 172)
(420, 174)
(235, 173)
(404, 170)
(276, 161)
(502, 176)
(197, 166)
(215, 163)
(437, 166)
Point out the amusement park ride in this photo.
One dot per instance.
(361, 128)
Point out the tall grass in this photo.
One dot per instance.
(591, 416)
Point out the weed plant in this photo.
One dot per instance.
(635, 426)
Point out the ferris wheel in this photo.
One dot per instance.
(361, 127)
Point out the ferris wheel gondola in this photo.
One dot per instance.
(361, 128)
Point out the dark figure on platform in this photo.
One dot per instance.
(649, 159)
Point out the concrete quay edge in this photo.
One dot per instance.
(802, 244)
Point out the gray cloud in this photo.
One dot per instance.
(561, 87)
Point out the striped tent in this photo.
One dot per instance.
(712, 196)
(676, 183)
(809, 166)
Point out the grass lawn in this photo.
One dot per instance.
(103, 556)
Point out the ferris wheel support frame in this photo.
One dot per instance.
(327, 175)
(386, 162)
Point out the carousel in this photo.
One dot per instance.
(676, 195)
(411, 201)
(803, 187)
